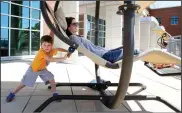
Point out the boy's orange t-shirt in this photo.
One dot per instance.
(39, 62)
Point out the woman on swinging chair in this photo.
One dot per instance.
(110, 55)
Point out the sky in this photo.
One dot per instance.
(163, 4)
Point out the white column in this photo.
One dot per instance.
(114, 25)
(153, 39)
(137, 31)
(70, 8)
(144, 35)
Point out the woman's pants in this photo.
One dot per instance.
(116, 54)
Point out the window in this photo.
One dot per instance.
(20, 11)
(177, 37)
(81, 17)
(81, 25)
(4, 42)
(36, 4)
(35, 42)
(4, 21)
(20, 30)
(159, 20)
(35, 25)
(35, 14)
(174, 20)
(19, 42)
(91, 30)
(4, 7)
(19, 23)
(89, 18)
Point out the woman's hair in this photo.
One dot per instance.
(69, 21)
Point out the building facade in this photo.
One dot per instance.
(170, 18)
(22, 25)
(20, 28)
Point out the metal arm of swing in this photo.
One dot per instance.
(96, 37)
(128, 10)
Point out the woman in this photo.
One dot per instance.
(109, 55)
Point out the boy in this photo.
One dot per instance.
(38, 67)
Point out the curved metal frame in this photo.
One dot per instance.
(98, 79)
(128, 47)
(127, 63)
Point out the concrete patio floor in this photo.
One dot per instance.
(82, 70)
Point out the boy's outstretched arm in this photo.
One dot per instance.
(62, 50)
(51, 59)
(69, 52)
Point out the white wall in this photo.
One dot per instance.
(137, 31)
(148, 37)
(144, 35)
(114, 24)
(153, 40)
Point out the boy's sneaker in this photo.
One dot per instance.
(10, 97)
(55, 94)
